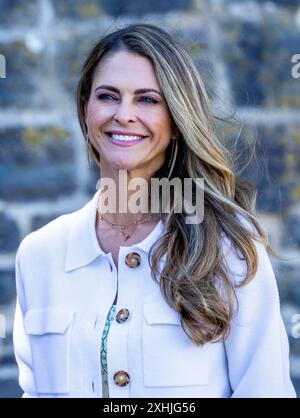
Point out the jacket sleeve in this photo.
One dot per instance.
(257, 347)
(21, 343)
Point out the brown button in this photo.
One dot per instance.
(122, 316)
(121, 378)
(133, 260)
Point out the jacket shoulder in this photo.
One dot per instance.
(50, 237)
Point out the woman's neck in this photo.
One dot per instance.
(124, 200)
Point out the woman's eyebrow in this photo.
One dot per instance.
(138, 91)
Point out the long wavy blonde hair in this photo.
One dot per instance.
(195, 266)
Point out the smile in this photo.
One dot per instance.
(124, 140)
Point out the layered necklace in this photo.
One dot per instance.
(122, 227)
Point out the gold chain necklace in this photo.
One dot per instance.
(126, 235)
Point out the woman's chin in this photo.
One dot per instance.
(123, 165)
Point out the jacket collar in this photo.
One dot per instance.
(82, 242)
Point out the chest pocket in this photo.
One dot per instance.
(170, 358)
(49, 332)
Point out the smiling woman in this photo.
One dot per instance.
(123, 305)
(127, 109)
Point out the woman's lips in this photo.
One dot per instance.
(125, 143)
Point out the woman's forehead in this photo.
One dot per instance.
(126, 66)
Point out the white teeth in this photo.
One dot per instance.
(125, 137)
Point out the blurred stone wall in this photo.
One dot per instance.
(244, 52)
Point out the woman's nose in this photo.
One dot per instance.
(126, 112)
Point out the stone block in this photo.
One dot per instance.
(81, 9)
(36, 163)
(78, 9)
(292, 234)
(9, 233)
(275, 168)
(7, 286)
(257, 57)
(10, 389)
(281, 3)
(19, 13)
(141, 7)
(23, 69)
(287, 275)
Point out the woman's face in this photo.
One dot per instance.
(117, 105)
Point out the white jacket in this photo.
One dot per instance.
(66, 285)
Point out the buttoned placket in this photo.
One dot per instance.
(131, 263)
(114, 272)
(92, 349)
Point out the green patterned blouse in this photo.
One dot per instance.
(103, 354)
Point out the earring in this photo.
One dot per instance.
(173, 156)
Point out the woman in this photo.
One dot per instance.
(121, 303)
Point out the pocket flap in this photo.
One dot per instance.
(49, 320)
(160, 313)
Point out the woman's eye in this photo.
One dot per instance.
(149, 98)
(104, 96)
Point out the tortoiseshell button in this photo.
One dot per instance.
(133, 260)
(122, 316)
(121, 378)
